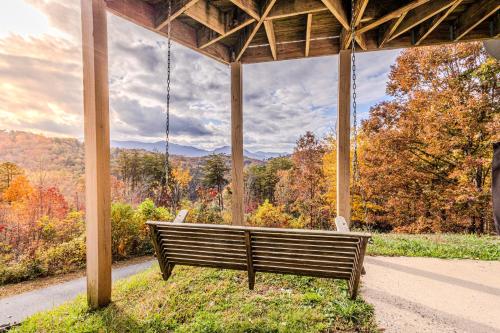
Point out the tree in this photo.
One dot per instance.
(181, 177)
(214, 175)
(262, 178)
(19, 190)
(308, 180)
(268, 215)
(429, 158)
(8, 171)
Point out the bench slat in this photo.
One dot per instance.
(229, 254)
(309, 261)
(188, 248)
(181, 232)
(301, 246)
(308, 265)
(302, 271)
(305, 241)
(206, 244)
(327, 238)
(218, 238)
(200, 257)
(209, 263)
(286, 252)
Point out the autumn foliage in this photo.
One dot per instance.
(425, 155)
(424, 165)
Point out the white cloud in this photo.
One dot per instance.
(41, 79)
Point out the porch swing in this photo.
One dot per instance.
(327, 254)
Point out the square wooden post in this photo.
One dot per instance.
(237, 143)
(343, 136)
(97, 164)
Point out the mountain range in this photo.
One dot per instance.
(189, 151)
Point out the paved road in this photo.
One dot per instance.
(433, 295)
(16, 308)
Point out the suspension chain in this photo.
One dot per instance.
(167, 120)
(355, 162)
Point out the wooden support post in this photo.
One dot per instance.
(343, 135)
(237, 143)
(97, 165)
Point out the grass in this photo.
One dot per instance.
(210, 300)
(448, 246)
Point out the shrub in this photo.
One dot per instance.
(64, 258)
(203, 213)
(268, 215)
(25, 269)
(125, 230)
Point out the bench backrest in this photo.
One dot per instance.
(302, 252)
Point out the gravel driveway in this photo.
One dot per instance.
(433, 295)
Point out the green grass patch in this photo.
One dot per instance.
(210, 300)
(449, 246)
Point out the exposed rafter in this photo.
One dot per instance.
(308, 33)
(247, 37)
(251, 7)
(392, 15)
(389, 31)
(271, 37)
(474, 15)
(337, 9)
(284, 9)
(287, 35)
(208, 15)
(207, 37)
(144, 14)
(178, 7)
(421, 14)
(426, 29)
(359, 11)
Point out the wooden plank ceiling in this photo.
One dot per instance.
(253, 31)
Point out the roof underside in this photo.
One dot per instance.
(253, 31)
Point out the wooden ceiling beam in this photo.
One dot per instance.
(208, 15)
(284, 9)
(359, 11)
(207, 37)
(420, 15)
(178, 7)
(392, 15)
(308, 34)
(473, 16)
(337, 9)
(271, 37)
(356, 17)
(346, 39)
(251, 7)
(143, 14)
(426, 29)
(391, 28)
(248, 37)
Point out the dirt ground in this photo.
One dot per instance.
(433, 295)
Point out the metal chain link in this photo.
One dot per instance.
(167, 120)
(354, 105)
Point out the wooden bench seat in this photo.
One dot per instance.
(327, 254)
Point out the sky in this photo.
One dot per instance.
(41, 84)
